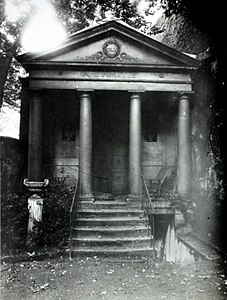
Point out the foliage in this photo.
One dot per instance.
(54, 228)
(78, 14)
(14, 216)
(169, 193)
(182, 204)
(10, 30)
(52, 231)
(12, 87)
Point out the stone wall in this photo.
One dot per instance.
(61, 138)
(206, 165)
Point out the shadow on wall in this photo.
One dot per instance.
(12, 166)
(207, 165)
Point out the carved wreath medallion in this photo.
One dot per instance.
(111, 49)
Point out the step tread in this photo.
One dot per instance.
(110, 210)
(111, 218)
(112, 249)
(109, 202)
(111, 228)
(111, 239)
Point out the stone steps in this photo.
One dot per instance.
(113, 251)
(110, 227)
(122, 242)
(90, 213)
(106, 204)
(111, 221)
(200, 247)
(116, 231)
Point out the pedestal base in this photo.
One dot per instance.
(35, 207)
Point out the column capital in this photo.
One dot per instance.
(137, 91)
(135, 96)
(35, 92)
(184, 95)
(85, 90)
(85, 94)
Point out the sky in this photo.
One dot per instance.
(44, 30)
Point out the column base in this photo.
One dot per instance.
(134, 197)
(179, 219)
(134, 200)
(87, 198)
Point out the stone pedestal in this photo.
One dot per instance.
(35, 207)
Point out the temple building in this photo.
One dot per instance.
(109, 104)
(111, 107)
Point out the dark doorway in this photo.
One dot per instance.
(110, 143)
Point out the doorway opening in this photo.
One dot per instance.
(110, 142)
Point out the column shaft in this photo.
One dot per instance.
(184, 148)
(85, 146)
(135, 146)
(35, 139)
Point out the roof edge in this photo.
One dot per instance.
(120, 27)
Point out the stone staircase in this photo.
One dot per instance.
(111, 227)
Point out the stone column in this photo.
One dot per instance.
(35, 138)
(85, 158)
(135, 146)
(34, 181)
(184, 147)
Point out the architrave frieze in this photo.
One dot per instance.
(100, 55)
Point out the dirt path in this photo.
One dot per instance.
(107, 279)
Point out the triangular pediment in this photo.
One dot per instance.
(111, 43)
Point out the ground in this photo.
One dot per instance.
(113, 279)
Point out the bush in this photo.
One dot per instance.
(14, 218)
(54, 228)
(51, 232)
